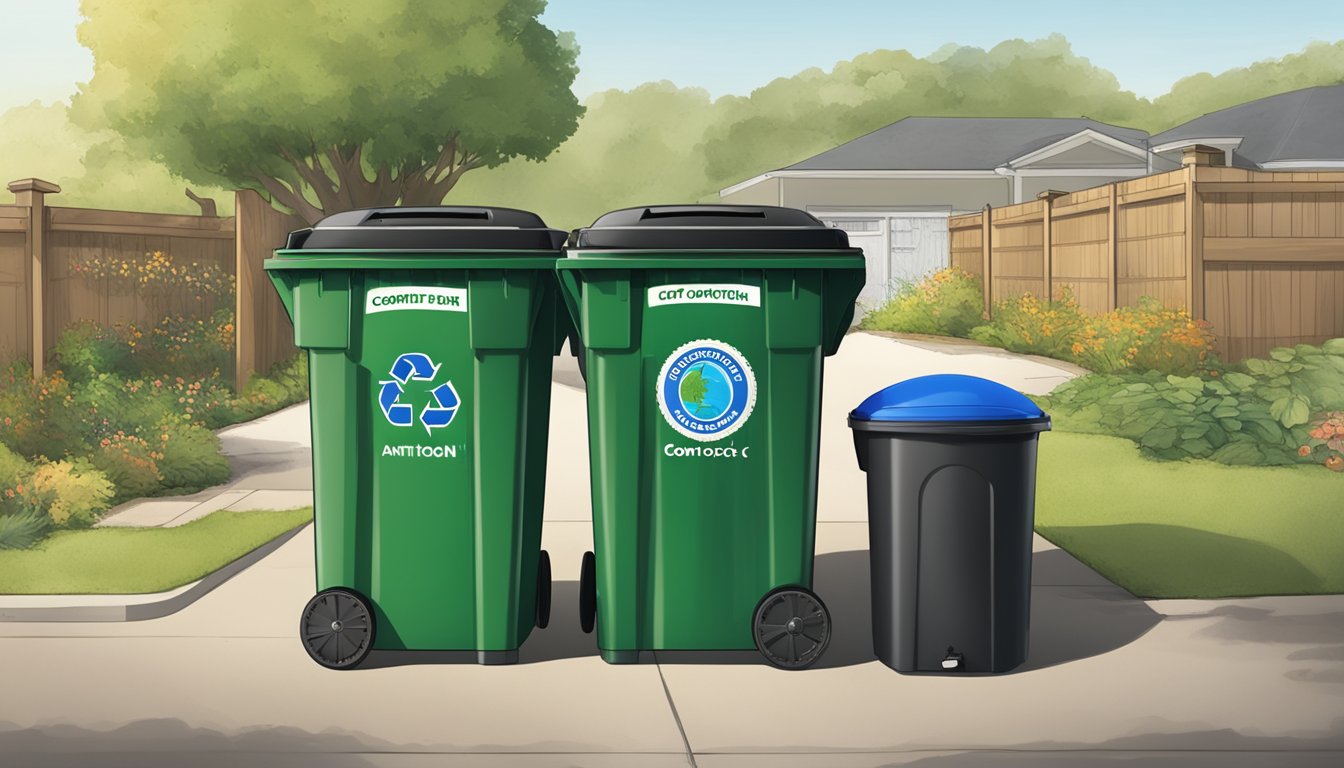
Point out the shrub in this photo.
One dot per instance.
(15, 472)
(1283, 410)
(186, 346)
(156, 273)
(73, 493)
(1146, 337)
(1030, 325)
(85, 349)
(189, 457)
(23, 529)
(947, 303)
(130, 463)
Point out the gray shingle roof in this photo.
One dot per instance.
(1298, 125)
(956, 143)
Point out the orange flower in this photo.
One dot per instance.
(1304, 450)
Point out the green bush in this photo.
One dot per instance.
(131, 411)
(186, 346)
(73, 493)
(132, 465)
(1034, 326)
(189, 457)
(1280, 410)
(23, 529)
(86, 349)
(949, 302)
(1148, 336)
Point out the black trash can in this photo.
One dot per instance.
(951, 464)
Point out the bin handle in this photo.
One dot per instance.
(672, 212)
(570, 290)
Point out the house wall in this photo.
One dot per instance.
(888, 194)
(1090, 155)
(1034, 185)
(763, 193)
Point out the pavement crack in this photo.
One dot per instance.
(690, 755)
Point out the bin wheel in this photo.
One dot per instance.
(579, 354)
(588, 593)
(337, 628)
(543, 590)
(791, 627)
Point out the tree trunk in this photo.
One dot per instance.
(338, 181)
(207, 204)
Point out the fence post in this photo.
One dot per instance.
(245, 285)
(986, 256)
(1194, 244)
(1047, 197)
(31, 193)
(1113, 249)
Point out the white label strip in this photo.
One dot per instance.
(705, 293)
(415, 297)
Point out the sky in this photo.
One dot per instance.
(733, 46)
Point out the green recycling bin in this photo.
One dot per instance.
(430, 334)
(704, 329)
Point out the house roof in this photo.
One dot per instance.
(957, 143)
(1294, 126)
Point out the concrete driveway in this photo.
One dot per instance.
(1110, 678)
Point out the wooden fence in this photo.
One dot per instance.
(41, 294)
(1260, 255)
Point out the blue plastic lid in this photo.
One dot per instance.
(946, 397)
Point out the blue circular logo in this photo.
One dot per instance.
(706, 390)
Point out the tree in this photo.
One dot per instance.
(631, 148)
(94, 168)
(1190, 97)
(329, 106)
(793, 118)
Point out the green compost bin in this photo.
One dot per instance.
(704, 330)
(430, 334)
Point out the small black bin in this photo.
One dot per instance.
(951, 463)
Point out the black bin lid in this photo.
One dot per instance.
(708, 227)
(429, 228)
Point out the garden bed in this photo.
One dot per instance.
(128, 411)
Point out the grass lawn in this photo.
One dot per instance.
(137, 560)
(1191, 529)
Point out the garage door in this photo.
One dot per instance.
(918, 246)
(872, 236)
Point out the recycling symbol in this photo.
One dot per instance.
(416, 366)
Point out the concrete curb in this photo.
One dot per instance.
(80, 608)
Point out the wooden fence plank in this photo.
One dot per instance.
(1274, 249)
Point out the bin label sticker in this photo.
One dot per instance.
(705, 293)
(413, 367)
(390, 299)
(706, 390)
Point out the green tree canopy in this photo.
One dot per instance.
(329, 106)
(95, 169)
(1190, 97)
(793, 118)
